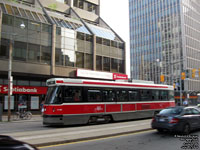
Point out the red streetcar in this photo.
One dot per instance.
(80, 101)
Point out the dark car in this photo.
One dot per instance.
(177, 119)
(8, 143)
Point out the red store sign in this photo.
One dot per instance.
(24, 89)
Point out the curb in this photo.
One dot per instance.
(91, 138)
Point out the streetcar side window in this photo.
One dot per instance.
(94, 95)
(133, 95)
(72, 94)
(171, 95)
(121, 95)
(164, 95)
(145, 95)
(109, 95)
(155, 95)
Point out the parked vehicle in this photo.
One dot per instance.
(177, 119)
(8, 143)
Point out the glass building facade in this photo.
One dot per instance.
(164, 40)
(57, 38)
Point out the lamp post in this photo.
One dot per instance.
(10, 78)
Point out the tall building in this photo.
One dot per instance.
(165, 42)
(53, 38)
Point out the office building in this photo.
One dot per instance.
(165, 42)
(53, 38)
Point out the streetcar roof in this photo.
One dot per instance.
(109, 84)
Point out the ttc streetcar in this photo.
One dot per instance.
(81, 101)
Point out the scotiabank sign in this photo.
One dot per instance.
(24, 89)
(100, 75)
(118, 76)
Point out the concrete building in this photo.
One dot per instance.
(165, 40)
(53, 38)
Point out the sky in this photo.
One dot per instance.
(116, 14)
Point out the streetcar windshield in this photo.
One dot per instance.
(53, 95)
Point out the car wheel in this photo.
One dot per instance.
(186, 129)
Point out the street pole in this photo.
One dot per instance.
(10, 77)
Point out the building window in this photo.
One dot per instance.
(121, 66)
(9, 9)
(20, 51)
(80, 36)
(98, 62)
(7, 20)
(106, 64)
(91, 7)
(19, 21)
(69, 58)
(78, 3)
(79, 60)
(58, 57)
(4, 48)
(33, 52)
(114, 65)
(46, 54)
(89, 61)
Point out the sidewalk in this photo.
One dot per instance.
(34, 118)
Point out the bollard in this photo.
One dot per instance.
(1, 111)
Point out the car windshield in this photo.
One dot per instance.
(169, 111)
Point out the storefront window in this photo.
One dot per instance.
(35, 83)
(23, 82)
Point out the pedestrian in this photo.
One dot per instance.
(42, 106)
(185, 102)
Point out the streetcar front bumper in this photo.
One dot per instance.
(53, 119)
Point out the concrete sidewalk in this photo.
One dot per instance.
(34, 118)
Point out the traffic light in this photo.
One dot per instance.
(182, 75)
(199, 72)
(193, 73)
(162, 78)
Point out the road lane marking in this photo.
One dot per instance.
(96, 139)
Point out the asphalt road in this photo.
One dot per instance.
(147, 140)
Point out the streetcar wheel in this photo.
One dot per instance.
(107, 119)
